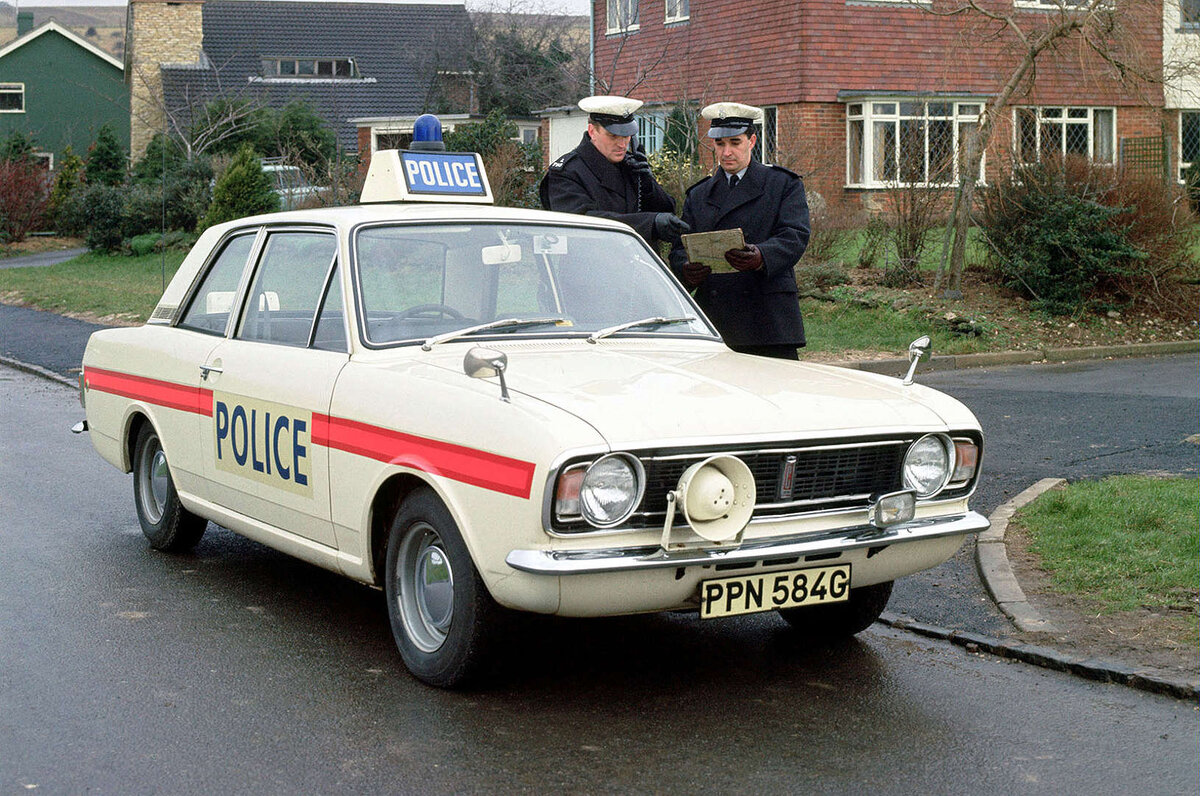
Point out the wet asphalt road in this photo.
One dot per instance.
(238, 669)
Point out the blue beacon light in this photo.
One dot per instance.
(427, 134)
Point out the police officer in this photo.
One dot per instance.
(606, 176)
(755, 306)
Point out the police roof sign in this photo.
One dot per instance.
(406, 176)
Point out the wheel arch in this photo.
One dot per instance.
(388, 497)
(133, 426)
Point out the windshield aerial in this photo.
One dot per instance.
(419, 283)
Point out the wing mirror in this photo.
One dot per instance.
(916, 349)
(484, 363)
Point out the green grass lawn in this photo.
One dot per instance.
(112, 287)
(1124, 542)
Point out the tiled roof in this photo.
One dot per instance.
(396, 48)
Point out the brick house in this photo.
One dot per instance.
(346, 59)
(860, 94)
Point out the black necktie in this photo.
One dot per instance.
(733, 181)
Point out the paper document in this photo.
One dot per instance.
(708, 248)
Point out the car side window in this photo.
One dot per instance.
(331, 326)
(287, 287)
(213, 301)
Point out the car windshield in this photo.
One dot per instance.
(418, 282)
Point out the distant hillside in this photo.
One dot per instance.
(102, 26)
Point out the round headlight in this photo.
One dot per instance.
(928, 464)
(611, 490)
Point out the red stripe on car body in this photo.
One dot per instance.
(155, 391)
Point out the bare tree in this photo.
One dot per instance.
(1098, 31)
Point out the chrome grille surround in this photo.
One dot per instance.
(827, 476)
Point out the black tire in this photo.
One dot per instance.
(841, 620)
(165, 522)
(443, 619)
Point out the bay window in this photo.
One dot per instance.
(908, 141)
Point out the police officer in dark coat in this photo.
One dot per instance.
(754, 306)
(603, 176)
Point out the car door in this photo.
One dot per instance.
(270, 378)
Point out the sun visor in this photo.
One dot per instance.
(398, 175)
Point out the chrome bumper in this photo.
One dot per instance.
(629, 559)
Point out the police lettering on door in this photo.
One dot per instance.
(266, 442)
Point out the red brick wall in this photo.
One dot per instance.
(777, 52)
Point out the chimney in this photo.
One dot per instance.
(24, 22)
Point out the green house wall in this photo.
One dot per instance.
(69, 94)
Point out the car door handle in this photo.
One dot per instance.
(207, 369)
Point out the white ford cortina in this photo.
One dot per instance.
(478, 409)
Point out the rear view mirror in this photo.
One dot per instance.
(504, 253)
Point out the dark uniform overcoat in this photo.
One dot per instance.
(752, 308)
(584, 181)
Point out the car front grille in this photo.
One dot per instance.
(823, 477)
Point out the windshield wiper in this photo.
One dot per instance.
(503, 323)
(602, 333)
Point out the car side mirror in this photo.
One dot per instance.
(484, 363)
(916, 349)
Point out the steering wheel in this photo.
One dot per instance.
(429, 309)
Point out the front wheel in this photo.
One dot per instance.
(442, 617)
(843, 619)
(165, 522)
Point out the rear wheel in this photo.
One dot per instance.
(165, 522)
(442, 617)
(842, 619)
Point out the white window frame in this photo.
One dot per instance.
(44, 159)
(871, 113)
(1062, 116)
(1051, 5)
(17, 89)
(676, 11)
(770, 124)
(621, 16)
(652, 129)
(1184, 164)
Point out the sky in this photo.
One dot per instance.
(555, 6)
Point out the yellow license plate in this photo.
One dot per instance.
(767, 591)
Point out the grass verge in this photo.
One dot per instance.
(116, 289)
(1125, 542)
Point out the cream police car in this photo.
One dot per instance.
(480, 409)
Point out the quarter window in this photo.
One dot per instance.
(1049, 132)
(213, 300)
(12, 97)
(908, 141)
(291, 277)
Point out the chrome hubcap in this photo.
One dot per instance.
(426, 593)
(155, 481)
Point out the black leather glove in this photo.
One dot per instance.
(747, 259)
(668, 227)
(694, 273)
(637, 161)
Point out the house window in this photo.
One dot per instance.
(1189, 140)
(12, 97)
(909, 141)
(1043, 133)
(650, 131)
(677, 10)
(326, 68)
(44, 159)
(1189, 14)
(1051, 5)
(622, 16)
(764, 150)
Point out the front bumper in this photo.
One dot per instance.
(632, 559)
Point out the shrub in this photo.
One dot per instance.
(17, 146)
(24, 197)
(820, 275)
(512, 168)
(243, 189)
(106, 159)
(1055, 240)
(833, 228)
(68, 184)
(913, 213)
(99, 211)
